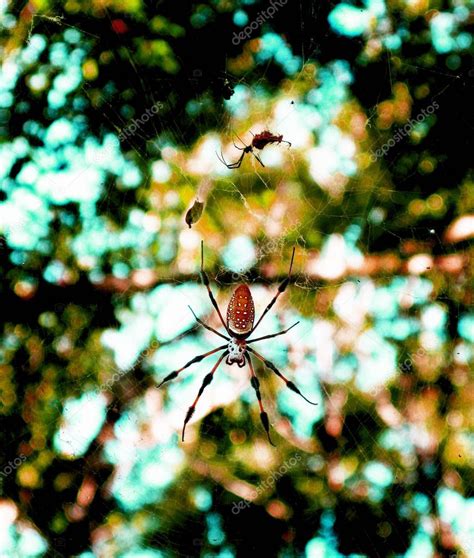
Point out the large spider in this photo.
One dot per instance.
(259, 141)
(239, 326)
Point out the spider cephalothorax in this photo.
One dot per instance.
(239, 326)
(259, 141)
(236, 352)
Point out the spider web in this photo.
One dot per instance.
(309, 289)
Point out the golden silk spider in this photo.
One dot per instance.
(239, 325)
(259, 141)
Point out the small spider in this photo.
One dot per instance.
(239, 325)
(258, 142)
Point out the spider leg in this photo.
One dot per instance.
(273, 368)
(272, 334)
(256, 386)
(221, 158)
(240, 139)
(284, 141)
(207, 380)
(258, 158)
(239, 148)
(235, 165)
(198, 358)
(280, 290)
(205, 280)
(207, 326)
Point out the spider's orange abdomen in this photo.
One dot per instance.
(241, 311)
